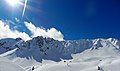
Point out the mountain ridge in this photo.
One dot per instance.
(40, 48)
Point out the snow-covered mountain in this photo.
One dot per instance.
(76, 52)
(8, 44)
(47, 48)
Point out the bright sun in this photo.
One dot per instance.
(13, 2)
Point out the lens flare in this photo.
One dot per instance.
(24, 8)
(13, 2)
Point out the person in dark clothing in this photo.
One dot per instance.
(33, 68)
(99, 68)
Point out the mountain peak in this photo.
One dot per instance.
(47, 48)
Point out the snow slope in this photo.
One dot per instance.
(107, 64)
(9, 66)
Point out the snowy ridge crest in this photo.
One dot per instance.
(40, 48)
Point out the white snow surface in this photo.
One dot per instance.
(7, 66)
(47, 54)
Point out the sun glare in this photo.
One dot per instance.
(12, 2)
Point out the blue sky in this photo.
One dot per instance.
(76, 19)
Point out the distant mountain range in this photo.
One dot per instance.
(40, 48)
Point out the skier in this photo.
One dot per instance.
(99, 68)
(33, 68)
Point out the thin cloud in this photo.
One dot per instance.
(17, 20)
